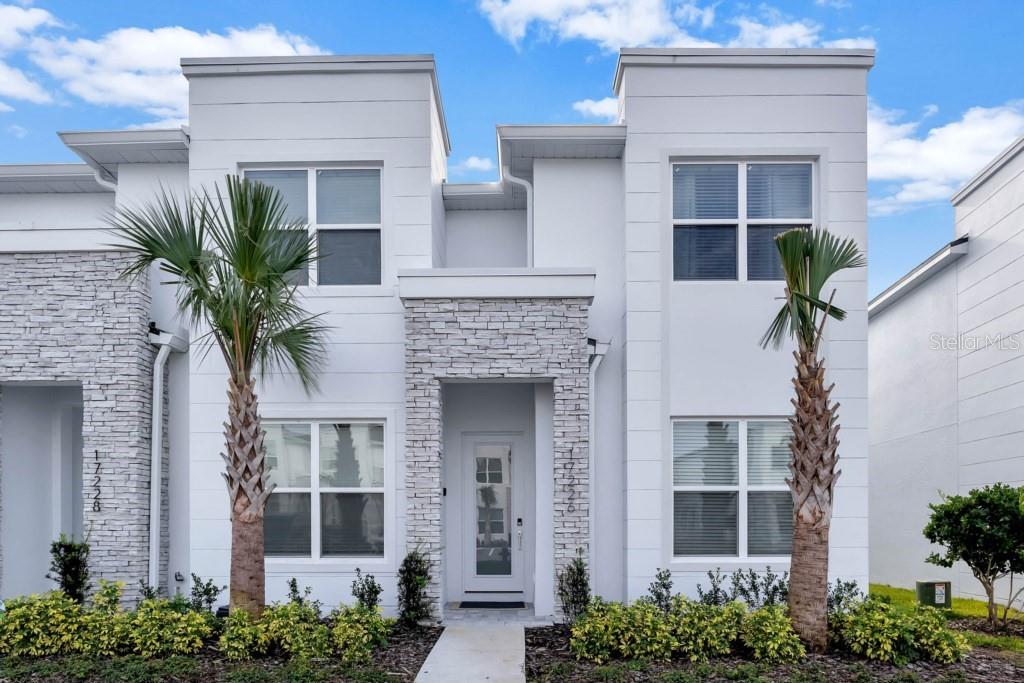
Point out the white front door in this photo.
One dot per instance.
(493, 516)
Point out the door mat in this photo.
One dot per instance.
(490, 604)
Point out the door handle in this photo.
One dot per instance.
(519, 532)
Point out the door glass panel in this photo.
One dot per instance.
(493, 494)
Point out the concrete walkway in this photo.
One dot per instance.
(477, 652)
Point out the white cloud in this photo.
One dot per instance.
(834, 4)
(17, 131)
(692, 14)
(607, 108)
(17, 23)
(852, 43)
(15, 84)
(139, 68)
(612, 24)
(929, 166)
(475, 163)
(5, 107)
(753, 33)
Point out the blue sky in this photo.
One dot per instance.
(947, 91)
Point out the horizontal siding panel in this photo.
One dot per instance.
(354, 87)
(757, 114)
(847, 176)
(725, 81)
(223, 156)
(991, 378)
(649, 147)
(991, 402)
(1000, 424)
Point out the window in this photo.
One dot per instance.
(329, 500)
(722, 211)
(729, 494)
(343, 208)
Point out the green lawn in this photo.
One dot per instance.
(962, 607)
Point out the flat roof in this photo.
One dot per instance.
(990, 170)
(48, 178)
(193, 67)
(103, 150)
(918, 275)
(862, 58)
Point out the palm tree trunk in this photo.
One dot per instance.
(248, 489)
(813, 468)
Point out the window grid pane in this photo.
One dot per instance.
(768, 453)
(352, 455)
(352, 524)
(705, 453)
(704, 191)
(292, 187)
(769, 522)
(763, 260)
(778, 191)
(704, 252)
(286, 522)
(348, 257)
(288, 454)
(348, 196)
(705, 523)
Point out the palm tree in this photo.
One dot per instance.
(809, 259)
(231, 263)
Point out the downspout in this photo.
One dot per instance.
(597, 351)
(525, 184)
(166, 342)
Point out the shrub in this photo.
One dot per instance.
(244, 636)
(768, 634)
(842, 597)
(302, 599)
(40, 625)
(357, 631)
(715, 595)
(204, 594)
(934, 640)
(106, 628)
(366, 590)
(148, 592)
(610, 629)
(760, 590)
(574, 588)
(703, 631)
(69, 567)
(881, 631)
(296, 630)
(413, 578)
(984, 530)
(159, 628)
(660, 590)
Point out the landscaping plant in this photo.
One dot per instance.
(231, 259)
(204, 594)
(366, 590)
(660, 591)
(704, 631)
(413, 579)
(984, 530)
(883, 632)
(574, 588)
(357, 632)
(769, 636)
(69, 567)
(809, 259)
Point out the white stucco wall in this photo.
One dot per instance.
(485, 239)
(692, 348)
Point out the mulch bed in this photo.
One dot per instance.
(1014, 627)
(548, 659)
(406, 651)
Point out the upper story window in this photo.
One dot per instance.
(729, 492)
(329, 500)
(343, 207)
(725, 216)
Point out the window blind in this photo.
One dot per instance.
(292, 187)
(763, 261)
(346, 196)
(349, 257)
(704, 252)
(769, 522)
(286, 525)
(705, 453)
(352, 524)
(704, 523)
(767, 453)
(778, 191)
(704, 191)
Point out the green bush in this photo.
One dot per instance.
(244, 637)
(69, 567)
(769, 635)
(413, 579)
(574, 588)
(296, 630)
(609, 630)
(357, 632)
(880, 631)
(106, 628)
(159, 628)
(703, 631)
(40, 626)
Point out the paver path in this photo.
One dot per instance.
(477, 652)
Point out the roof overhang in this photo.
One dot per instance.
(195, 67)
(929, 267)
(49, 179)
(990, 170)
(104, 150)
(741, 57)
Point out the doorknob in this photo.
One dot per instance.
(519, 532)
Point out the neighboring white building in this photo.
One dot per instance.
(947, 376)
(579, 339)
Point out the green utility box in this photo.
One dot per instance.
(935, 594)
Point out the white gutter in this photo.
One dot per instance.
(529, 212)
(167, 342)
(933, 264)
(599, 349)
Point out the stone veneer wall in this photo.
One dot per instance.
(493, 339)
(68, 317)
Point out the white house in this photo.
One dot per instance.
(946, 367)
(563, 361)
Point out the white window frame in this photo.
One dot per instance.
(315, 489)
(315, 227)
(741, 221)
(741, 488)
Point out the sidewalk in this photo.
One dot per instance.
(477, 652)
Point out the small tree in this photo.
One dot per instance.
(574, 588)
(983, 529)
(69, 567)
